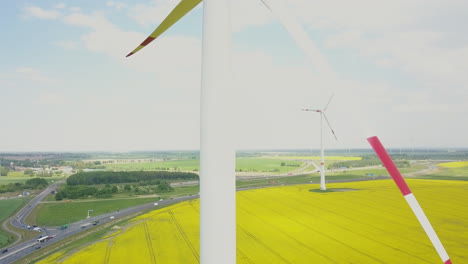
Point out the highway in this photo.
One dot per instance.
(21, 250)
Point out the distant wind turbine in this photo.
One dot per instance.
(322, 163)
(217, 155)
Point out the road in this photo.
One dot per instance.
(18, 219)
(21, 250)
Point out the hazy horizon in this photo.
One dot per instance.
(400, 74)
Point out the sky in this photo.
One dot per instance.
(400, 73)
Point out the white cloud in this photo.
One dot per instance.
(75, 9)
(244, 13)
(51, 98)
(32, 74)
(269, 94)
(66, 44)
(37, 12)
(117, 5)
(419, 53)
(369, 15)
(60, 6)
(152, 13)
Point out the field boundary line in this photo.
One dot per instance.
(291, 237)
(326, 235)
(243, 256)
(254, 238)
(184, 236)
(149, 243)
(110, 243)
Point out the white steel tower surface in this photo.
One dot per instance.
(322, 154)
(217, 156)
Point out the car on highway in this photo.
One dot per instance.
(38, 247)
(112, 217)
(5, 250)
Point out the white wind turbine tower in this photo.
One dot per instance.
(217, 155)
(322, 163)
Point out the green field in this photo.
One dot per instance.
(8, 179)
(242, 164)
(183, 165)
(377, 171)
(59, 213)
(7, 208)
(362, 222)
(447, 173)
(300, 179)
(267, 165)
(16, 174)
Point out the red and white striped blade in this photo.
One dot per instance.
(409, 197)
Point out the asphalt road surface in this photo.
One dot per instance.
(18, 251)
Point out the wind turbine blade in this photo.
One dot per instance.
(267, 6)
(300, 36)
(177, 13)
(328, 123)
(329, 100)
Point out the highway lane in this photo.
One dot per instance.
(19, 251)
(18, 219)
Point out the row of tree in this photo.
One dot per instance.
(30, 163)
(36, 183)
(80, 191)
(109, 177)
(366, 162)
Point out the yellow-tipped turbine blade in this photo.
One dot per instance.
(177, 13)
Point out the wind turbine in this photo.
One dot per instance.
(322, 163)
(217, 155)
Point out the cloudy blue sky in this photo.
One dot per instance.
(401, 73)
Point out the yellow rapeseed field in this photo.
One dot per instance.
(455, 164)
(363, 222)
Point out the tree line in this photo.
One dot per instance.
(36, 183)
(366, 162)
(107, 191)
(108, 177)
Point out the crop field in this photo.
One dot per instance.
(183, 165)
(242, 164)
(7, 208)
(359, 222)
(45, 214)
(8, 179)
(450, 171)
(337, 158)
(267, 165)
(455, 164)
